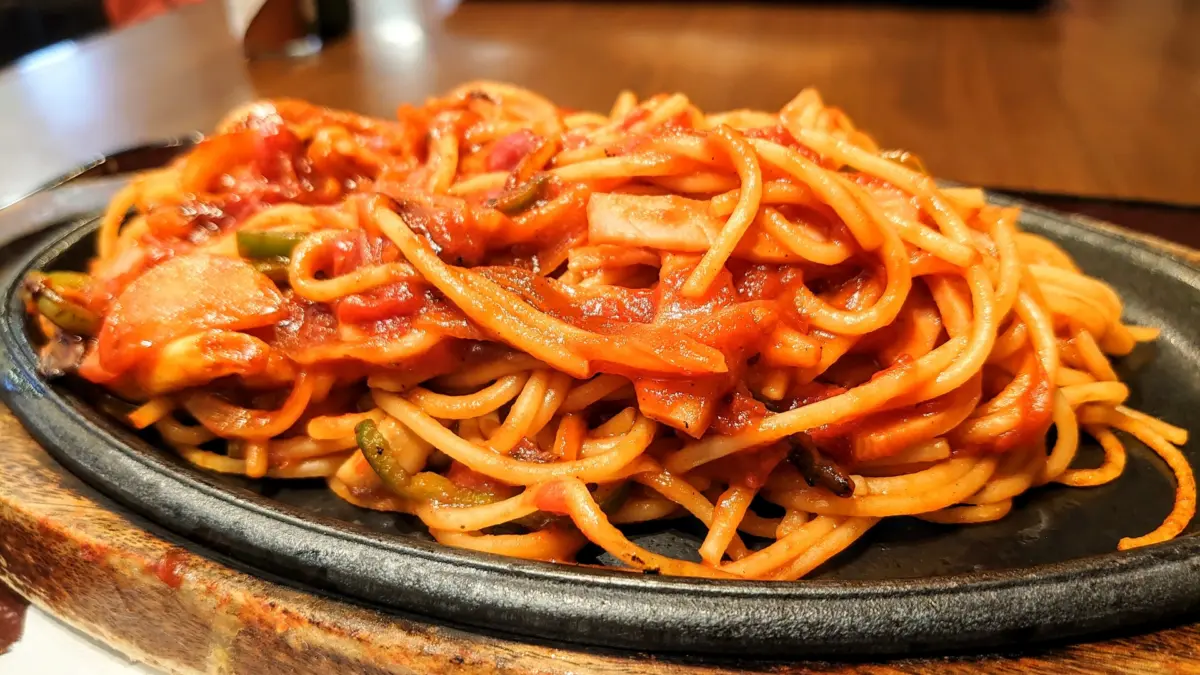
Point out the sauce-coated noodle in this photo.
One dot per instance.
(526, 325)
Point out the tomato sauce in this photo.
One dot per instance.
(780, 135)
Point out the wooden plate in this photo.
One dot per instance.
(1047, 571)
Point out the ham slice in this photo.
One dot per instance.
(183, 296)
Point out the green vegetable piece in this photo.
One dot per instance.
(520, 197)
(436, 487)
(276, 269)
(379, 455)
(423, 486)
(65, 314)
(272, 244)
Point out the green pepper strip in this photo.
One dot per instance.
(272, 244)
(276, 269)
(380, 456)
(520, 197)
(65, 314)
(424, 486)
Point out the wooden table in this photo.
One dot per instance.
(1098, 99)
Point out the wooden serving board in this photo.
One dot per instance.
(103, 570)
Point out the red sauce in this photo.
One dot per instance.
(831, 439)
(753, 469)
(902, 361)
(681, 121)
(1037, 408)
(780, 135)
(574, 140)
(552, 498)
(766, 282)
(741, 411)
(93, 553)
(170, 567)
(529, 451)
(636, 115)
(399, 299)
(12, 617)
(462, 476)
(449, 226)
(350, 251)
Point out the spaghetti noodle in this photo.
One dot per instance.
(527, 326)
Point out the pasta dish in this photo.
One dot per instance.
(528, 326)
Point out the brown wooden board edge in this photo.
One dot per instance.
(90, 563)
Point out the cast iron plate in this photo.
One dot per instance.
(1047, 571)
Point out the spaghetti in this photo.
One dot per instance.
(528, 326)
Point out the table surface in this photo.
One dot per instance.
(1095, 97)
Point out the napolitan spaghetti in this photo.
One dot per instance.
(527, 326)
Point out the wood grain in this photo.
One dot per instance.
(1095, 97)
(108, 573)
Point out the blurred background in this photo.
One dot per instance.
(29, 25)
(1078, 98)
